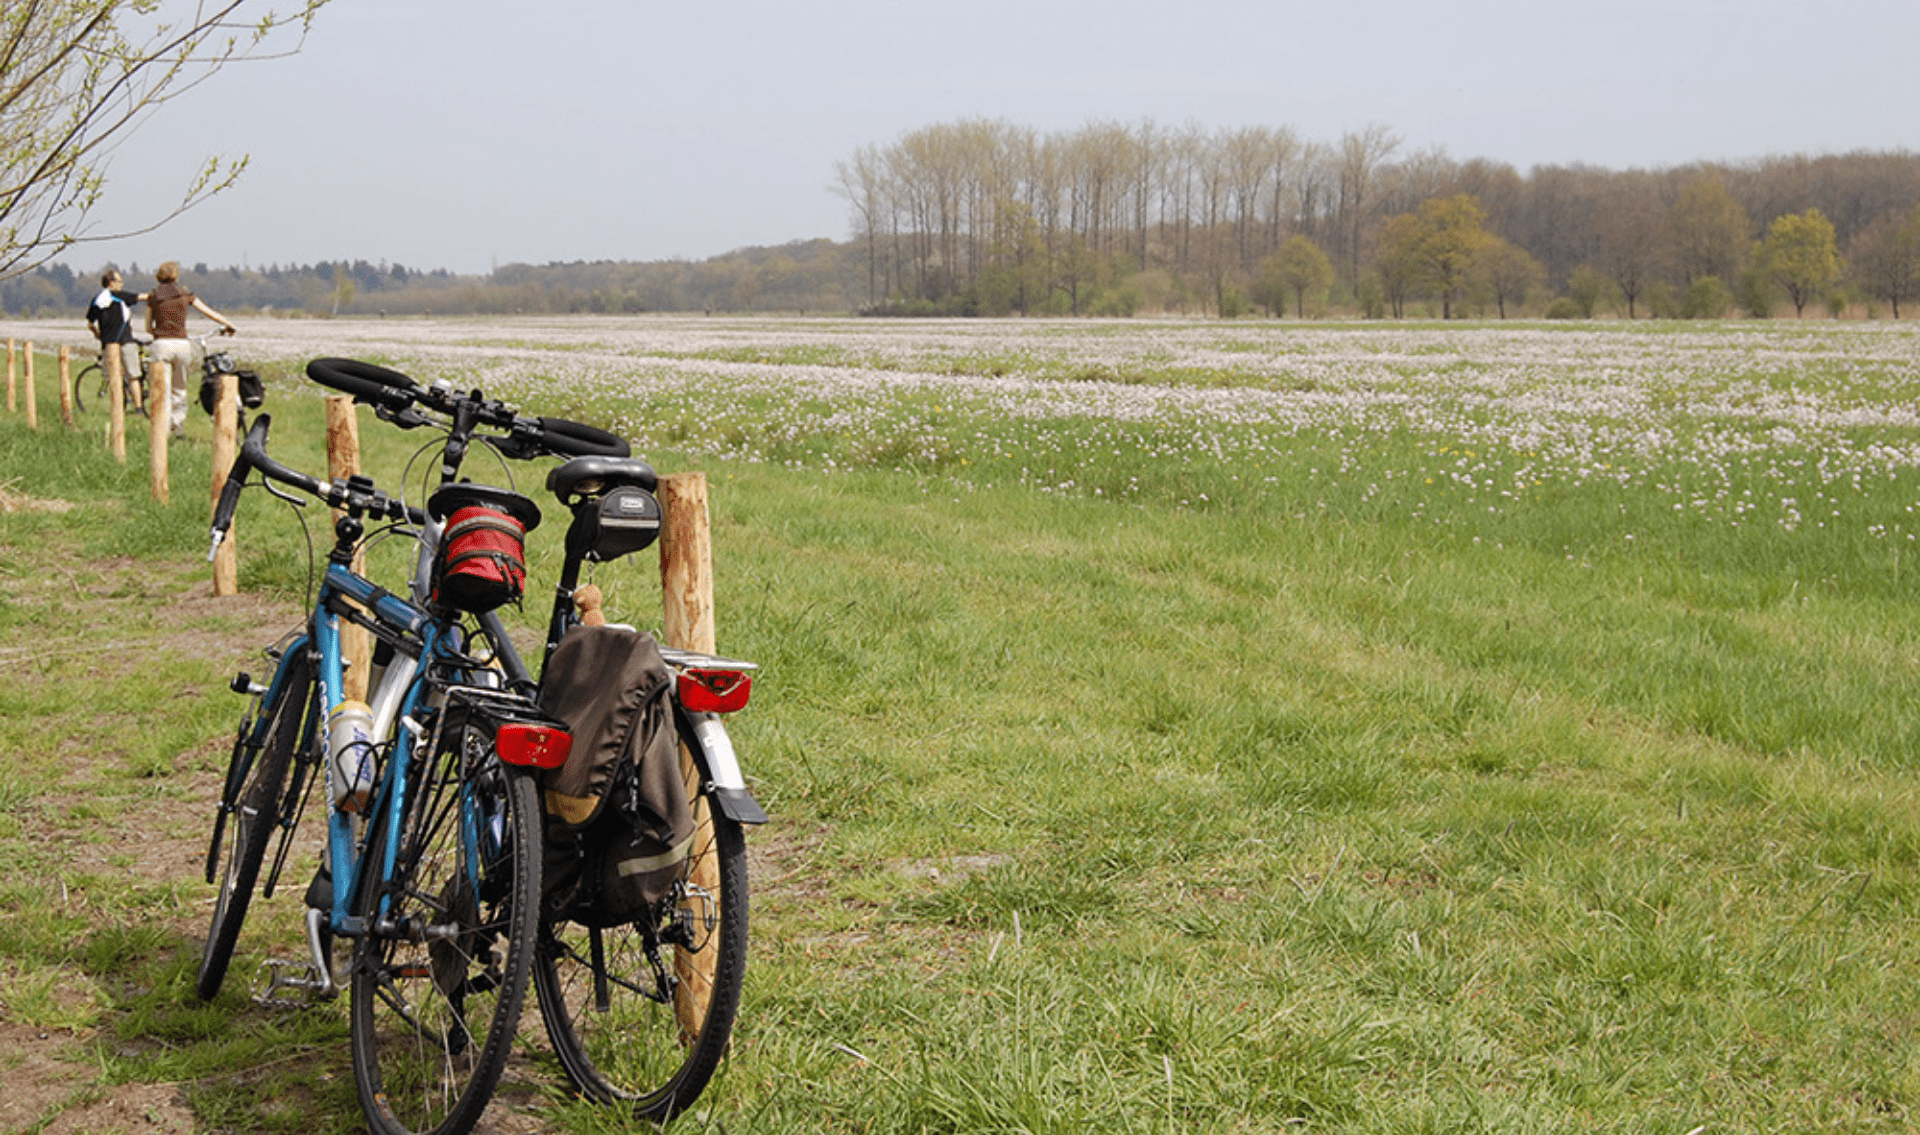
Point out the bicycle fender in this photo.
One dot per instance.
(706, 737)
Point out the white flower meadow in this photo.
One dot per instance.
(1775, 421)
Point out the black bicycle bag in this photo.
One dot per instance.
(253, 392)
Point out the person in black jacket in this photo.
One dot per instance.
(111, 318)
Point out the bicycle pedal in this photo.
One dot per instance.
(292, 984)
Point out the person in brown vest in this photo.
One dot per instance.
(167, 307)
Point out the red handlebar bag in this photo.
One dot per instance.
(482, 562)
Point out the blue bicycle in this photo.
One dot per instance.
(433, 854)
(639, 1010)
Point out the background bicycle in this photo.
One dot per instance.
(90, 383)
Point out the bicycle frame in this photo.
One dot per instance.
(397, 701)
(399, 696)
(423, 644)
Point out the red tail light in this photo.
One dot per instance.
(703, 690)
(532, 745)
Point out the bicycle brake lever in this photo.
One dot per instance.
(407, 419)
(297, 502)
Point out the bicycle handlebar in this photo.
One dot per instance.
(396, 396)
(375, 385)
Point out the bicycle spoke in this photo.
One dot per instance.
(444, 967)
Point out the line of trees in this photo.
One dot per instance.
(813, 275)
(993, 217)
(990, 218)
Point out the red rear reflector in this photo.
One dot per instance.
(534, 746)
(713, 691)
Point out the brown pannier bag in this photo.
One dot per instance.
(619, 824)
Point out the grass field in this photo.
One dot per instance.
(1198, 727)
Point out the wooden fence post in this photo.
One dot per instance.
(66, 388)
(343, 460)
(159, 391)
(226, 411)
(686, 562)
(116, 402)
(686, 577)
(33, 403)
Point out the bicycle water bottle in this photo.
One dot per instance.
(350, 747)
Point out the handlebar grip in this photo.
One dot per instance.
(237, 480)
(367, 382)
(577, 439)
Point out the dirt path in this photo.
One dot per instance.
(78, 815)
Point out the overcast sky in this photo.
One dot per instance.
(464, 135)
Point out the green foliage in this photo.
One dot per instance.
(1506, 274)
(1589, 290)
(1706, 298)
(1433, 250)
(1801, 256)
(1661, 301)
(1299, 270)
(1371, 298)
(1759, 288)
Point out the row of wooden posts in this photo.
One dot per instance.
(157, 395)
(686, 565)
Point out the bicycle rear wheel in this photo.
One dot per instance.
(250, 808)
(640, 1015)
(440, 974)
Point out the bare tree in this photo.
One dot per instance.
(865, 181)
(1283, 156)
(1628, 222)
(1886, 257)
(1246, 160)
(1359, 158)
(76, 75)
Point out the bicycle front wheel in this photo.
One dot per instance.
(440, 972)
(250, 809)
(640, 1014)
(90, 371)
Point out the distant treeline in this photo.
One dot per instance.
(804, 276)
(989, 218)
(993, 217)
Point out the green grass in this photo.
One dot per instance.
(1307, 799)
